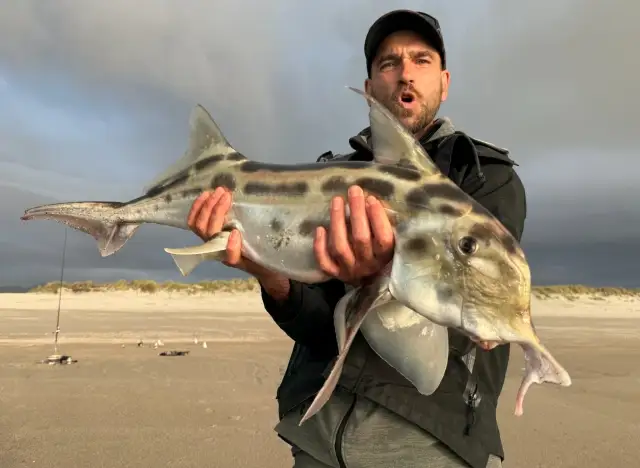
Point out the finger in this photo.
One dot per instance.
(234, 248)
(196, 207)
(321, 251)
(487, 345)
(338, 240)
(383, 238)
(360, 230)
(218, 213)
(202, 220)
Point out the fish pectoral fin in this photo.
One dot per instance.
(412, 344)
(188, 258)
(350, 312)
(540, 367)
(340, 320)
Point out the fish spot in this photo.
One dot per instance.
(224, 179)
(417, 245)
(168, 198)
(509, 242)
(420, 197)
(236, 157)
(450, 210)
(292, 189)
(276, 225)
(251, 166)
(380, 188)
(308, 227)
(334, 184)
(483, 233)
(155, 191)
(208, 161)
(401, 172)
(447, 191)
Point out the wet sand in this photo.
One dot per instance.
(123, 405)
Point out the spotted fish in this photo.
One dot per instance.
(454, 265)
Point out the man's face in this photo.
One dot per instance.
(407, 78)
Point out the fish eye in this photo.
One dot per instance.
(468, 245)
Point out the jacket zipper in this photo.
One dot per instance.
(340, 433)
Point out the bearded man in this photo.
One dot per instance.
(375, 417)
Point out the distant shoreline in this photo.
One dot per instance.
(571, 291)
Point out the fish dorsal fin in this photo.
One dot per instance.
(391, 142)
(205, 139)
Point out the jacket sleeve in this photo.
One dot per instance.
(503, 194)
(306, 316)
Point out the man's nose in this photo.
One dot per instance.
(406, 72)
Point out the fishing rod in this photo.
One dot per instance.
(57, 332)
(56, 358)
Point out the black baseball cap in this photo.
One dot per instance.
(419, 22)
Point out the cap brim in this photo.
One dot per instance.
(402, 20)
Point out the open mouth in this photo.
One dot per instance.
(407, 97)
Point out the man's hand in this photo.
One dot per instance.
(371, 234)
(206, 219)
(488, 345)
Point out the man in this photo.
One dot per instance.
(375, 417)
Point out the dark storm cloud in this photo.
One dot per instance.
(554, 81)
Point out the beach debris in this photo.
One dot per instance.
(204, 344)
(454, 266)
(173, 353)
(55, 359)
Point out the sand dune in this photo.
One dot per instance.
(123, 405)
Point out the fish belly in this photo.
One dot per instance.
(272, 237)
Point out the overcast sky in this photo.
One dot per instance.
(95, 98)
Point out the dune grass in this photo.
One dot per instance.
(570, 292)
(151, 287)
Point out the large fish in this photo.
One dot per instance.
(454, 265)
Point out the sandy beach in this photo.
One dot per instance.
(124, 405)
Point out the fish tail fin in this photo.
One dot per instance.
(98, 219)
(188, 258)
(540, 367)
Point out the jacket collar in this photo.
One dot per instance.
(360, 143)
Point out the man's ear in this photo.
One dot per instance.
(367, 85)
(445, 77)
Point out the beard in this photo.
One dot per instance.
(426, 113)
